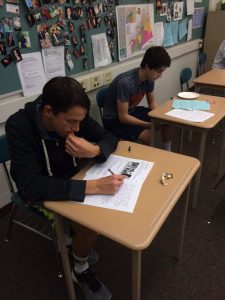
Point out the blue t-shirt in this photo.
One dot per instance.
(128, 88)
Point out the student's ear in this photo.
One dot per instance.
(48, 111)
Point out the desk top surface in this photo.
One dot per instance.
(136, 230)
(217, 107)
(214, 77)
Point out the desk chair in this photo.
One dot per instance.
(185, 76)
(44, 223)
(100, 98)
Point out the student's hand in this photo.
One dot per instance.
(79, 147)
(104, 186)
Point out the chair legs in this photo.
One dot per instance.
(54, 237)
(12, 215)
(57, 252)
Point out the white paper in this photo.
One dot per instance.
(53, 59)
(190, 7)
(31, 73)
(178, 10)
(101, 53)
(126, 197)
(189, 34)
(158, 33)
(12, 8)
(197, 116)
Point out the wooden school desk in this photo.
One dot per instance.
(217, 107)
(133, 230)
(214, 78)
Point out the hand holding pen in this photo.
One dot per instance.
(108, 185)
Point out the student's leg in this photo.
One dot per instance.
(145, 137)
(83, 240)
(82, 244)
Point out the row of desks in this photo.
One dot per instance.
(137, 230)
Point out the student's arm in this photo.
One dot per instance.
(151, 100)
(108, 185)
(30, 173)
(125, 118)
(92, 141)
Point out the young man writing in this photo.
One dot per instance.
(46, 140)
(121, 113)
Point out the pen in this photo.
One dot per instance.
(111, 172)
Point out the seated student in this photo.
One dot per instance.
(121, 113)
(46, 140)
(219, 60)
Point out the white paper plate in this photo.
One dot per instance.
(188, 95)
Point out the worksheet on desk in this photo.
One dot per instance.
(125, 199)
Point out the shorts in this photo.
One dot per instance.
(126, 131)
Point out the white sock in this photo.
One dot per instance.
(80, 264)
(167, 146)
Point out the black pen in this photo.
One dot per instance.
(111, 172)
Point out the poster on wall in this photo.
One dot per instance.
(198, 17)
(135, 29)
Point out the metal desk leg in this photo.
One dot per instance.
(64, 256)
(221, 155)
(153, 123)
(183, 221)
(180, 143)
(198, 174)
(136, 275)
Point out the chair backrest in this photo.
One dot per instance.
(4, 157)
(202, 58)
(185, 76)
(4, 150)
(100, 98)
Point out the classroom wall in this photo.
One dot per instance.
(184, 55)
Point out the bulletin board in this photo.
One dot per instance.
(95, 17)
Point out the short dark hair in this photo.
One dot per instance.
(156, 57)
(63, 93)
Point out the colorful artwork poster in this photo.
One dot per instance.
(135, 29)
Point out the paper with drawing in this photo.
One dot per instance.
(126, 197)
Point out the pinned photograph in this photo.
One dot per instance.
(57, 35)
(24, 39)
(3, 48)
(71, 26)
(2, 31)
(7, 60)
(12, 8)
(10, 39)
(44, 36)
(33, 4)
(7, 24)
(37, 17)
(30, 19)
(16, 54)
(68, 59)
(45, 13)
(17, 23)
(53, 10)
